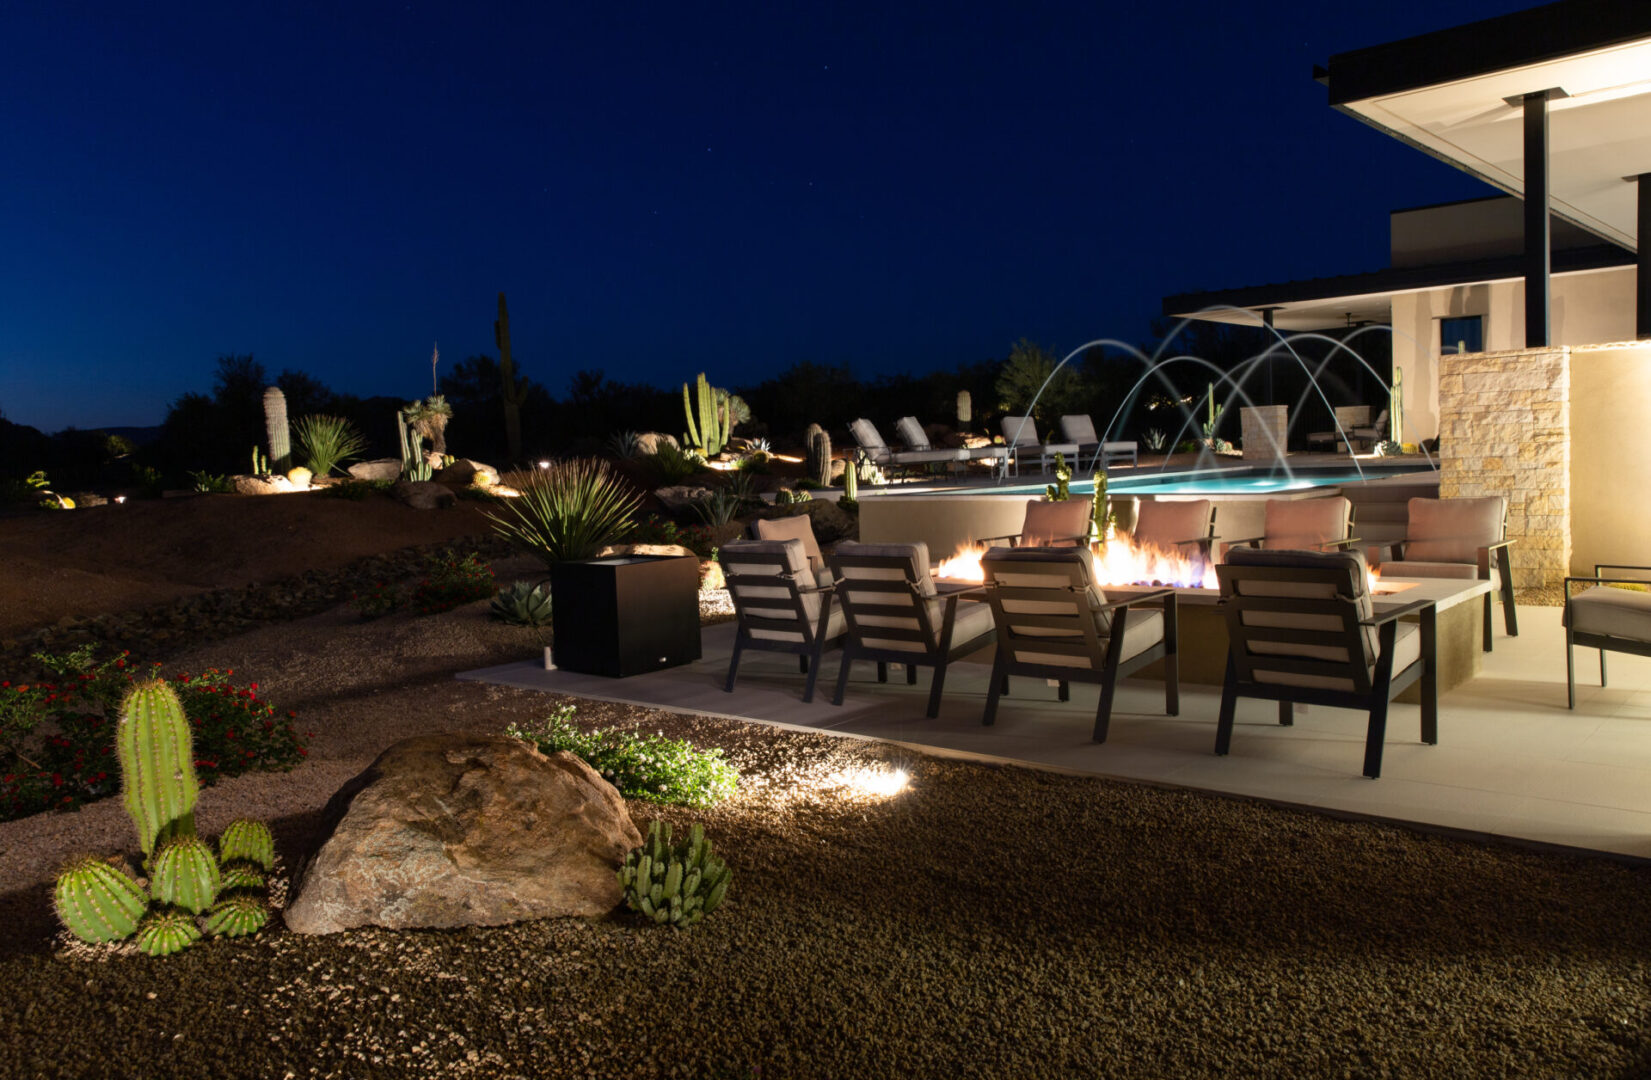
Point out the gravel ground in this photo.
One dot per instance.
(986, 922)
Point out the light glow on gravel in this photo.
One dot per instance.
(882, 782)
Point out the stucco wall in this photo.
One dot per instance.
(1610, 467)
(1506, 430)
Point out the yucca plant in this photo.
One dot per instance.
(569, 512)
(327, 441)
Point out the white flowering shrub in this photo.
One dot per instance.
(650, 767)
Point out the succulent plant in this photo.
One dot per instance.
(300, 476)
(167, 932)
(98, 902)
(676, 884)
(818, 461)
(237, 916)
(241, 877)
(249, 841)
(157, 764)
(523, 604)
(186, 874)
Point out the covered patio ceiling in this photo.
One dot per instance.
(1458, 94)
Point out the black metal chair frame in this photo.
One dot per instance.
(1496, 557)
(810, 649)
(1080, 639)
(1603, 642)
(866, 598)
(1371, 691)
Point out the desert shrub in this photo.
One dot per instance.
(657, 530)
(356, 490)
(325, 441)
(649, 767)
(672, 464)
(377, 601)
(569, 511)
(57, 738)
(453, 580)
(211, 483)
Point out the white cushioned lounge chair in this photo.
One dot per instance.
(1021, 435)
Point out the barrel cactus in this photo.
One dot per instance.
(523, 604)
(237, 916)
(675, 884)
(98, 902)
(167, 932)
(248, 841)
(157, 764)
(186, 874)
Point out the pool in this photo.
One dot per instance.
(1239, 481)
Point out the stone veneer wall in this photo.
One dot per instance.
(1261, 431)
(1505, 429)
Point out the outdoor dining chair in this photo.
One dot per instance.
(795, 527)
(912, 434)
(1171, 525)
(1372, 433)
(1301, 628)
(896, 614)
(779, 605)
(1459, 538)
(1054, 622)
(1067, 523)
(1021, 435)
(1606, 618)
(1303, 524)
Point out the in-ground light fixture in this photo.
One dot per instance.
(544, 464)
(880, 781)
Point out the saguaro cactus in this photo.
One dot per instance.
(275, 427)
(157, 764)
(819, 454)
(509, 390)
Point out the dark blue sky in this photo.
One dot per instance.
(659, 188)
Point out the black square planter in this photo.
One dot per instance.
(626, 615)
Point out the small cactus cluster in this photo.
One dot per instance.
(98, 902)
(788, 497)
(676, 884)
(710, 416)
(523, 604)
(1061, 489)
(818, 461)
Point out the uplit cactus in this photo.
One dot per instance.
(817, 464)
(247, 841)
(98, 902)
(1061, 489)
(275, 427)
(851, 481)
(186, 874)
(157, 764)
(675, 884)
(167, 932)
(237, 916)
(713, 412)
(300, 476)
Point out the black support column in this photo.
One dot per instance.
(1642, 273)
(1536, 220)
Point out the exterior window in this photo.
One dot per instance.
(1463, 334)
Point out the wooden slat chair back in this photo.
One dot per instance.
(1054, 622)
(1301, 627)
(779, 605)
(896, 615)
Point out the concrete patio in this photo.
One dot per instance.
(1511, 762)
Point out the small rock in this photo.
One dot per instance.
(262, 485)
(465, 471)
(648, 442)
(379, 469)
(682, 496)
(423, 494)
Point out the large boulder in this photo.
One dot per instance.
(682, 496)
(648, 442)
(465, 830)
(465, 471)
(379, 469)
(424, 494)
(262, 485)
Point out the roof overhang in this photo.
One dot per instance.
(1456, 94)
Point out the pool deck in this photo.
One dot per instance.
(1512, 761)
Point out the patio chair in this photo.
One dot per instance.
(1605, 618)
(1050, 524)
(912, 434)
(1459, 538)
(872, 444)
(1021, 434)
(779, 605)
(897, 615)
(1054, 622)
(1079, 428)
(1373, 433)
(1301, 628)
(795, 527)
(1170, 525)
(1303, 524)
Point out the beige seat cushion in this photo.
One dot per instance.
(911, 433)
(1143, 629)
(796, 527)
(1454, 530)
(1164, 524)
(1414, 568)
(1057, 523)
(1026, 429)
(865, 433)
(1079, 428)
(1612, 612)
(1032, 568)
(770, 601)
(1306, 524)
(908, 562)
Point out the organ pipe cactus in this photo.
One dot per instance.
(186, 874)
(167, 932)
(275, 427)
(248, 841)
(157, 764)
(97, 902)
(713, 411)
(675, 884)
(818, 461)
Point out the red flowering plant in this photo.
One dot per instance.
(377, 601)
(57, 739)
(453, 581)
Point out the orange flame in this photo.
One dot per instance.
(1120, 562)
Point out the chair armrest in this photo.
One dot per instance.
(1341, 543)
(1253, 541)
(1605, 580)
(1013, 538)
(1503, 545)
(1131, 601)
(1400, 612)
(1618, 566)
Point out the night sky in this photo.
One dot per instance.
(659, 188)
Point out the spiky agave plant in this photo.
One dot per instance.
(523, 604)
(569, 511)
(327, 441)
